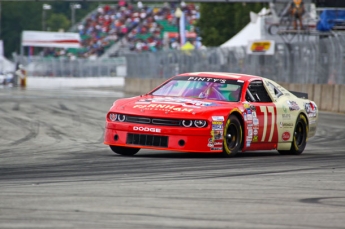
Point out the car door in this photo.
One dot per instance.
(261, 118)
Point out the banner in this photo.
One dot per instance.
(50, 39)
(261, 47)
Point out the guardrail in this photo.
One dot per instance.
(64, 67)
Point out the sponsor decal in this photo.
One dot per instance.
(207, 79)
(246, 105)
(293, 106)
(216, 134)
(311, 109)
(245, 116)
(218, 143)
(254, 114)
(163, 107)
(285, 109)
(217, 118)
(191, 103)
(210, 145)
(248, 143)
(250, 132)
(217, 126)
(286, 136)
(286, 125)
(217, 148)
(255, 138)
(255, 131)
(286, 116)
(146, 129)
(256, 122)
(250, 117)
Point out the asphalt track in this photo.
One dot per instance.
(56, 173)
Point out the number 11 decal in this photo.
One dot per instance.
(265, 111)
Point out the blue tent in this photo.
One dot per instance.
(331, 18)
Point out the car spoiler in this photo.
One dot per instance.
(300, 94)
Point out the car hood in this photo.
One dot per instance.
(172, 106)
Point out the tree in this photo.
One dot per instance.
(57, 22)
(220, 21)
(18, 16)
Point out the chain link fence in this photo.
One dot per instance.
(319, 61)
(64, 67)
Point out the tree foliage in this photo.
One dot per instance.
(58, 22)
(220, 21)
(19, 16)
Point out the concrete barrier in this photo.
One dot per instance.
(342, 99)
(336, 98)
(65, 82)
(317, 94)
(327, 92)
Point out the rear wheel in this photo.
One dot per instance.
(299, 140)
(232, 137)
(126, 151)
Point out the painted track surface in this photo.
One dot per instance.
(56, 173)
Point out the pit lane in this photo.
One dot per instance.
(56, 173)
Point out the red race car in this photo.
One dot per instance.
(212, 112)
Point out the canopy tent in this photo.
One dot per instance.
(6, 65)
(252, 31)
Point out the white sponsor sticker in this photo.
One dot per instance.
(218, 118)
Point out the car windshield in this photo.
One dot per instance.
(202, 88)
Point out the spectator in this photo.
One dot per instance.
(297, 10)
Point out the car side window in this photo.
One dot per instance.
(276, 91)
(258, 91)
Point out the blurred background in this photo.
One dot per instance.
(285, 40)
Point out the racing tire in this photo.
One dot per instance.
(125, 151)
(233, 136)
(299, 140)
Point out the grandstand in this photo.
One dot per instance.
(121, 28)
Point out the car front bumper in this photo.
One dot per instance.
(162, 137)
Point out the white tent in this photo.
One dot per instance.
(6, 65)
(252, 31)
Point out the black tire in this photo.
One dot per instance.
(126, 151)
(299, 140)
(233, 135)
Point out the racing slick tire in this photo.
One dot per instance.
(233, 136)
(299, 140)
(125, 151)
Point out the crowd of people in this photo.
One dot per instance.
(136, 26)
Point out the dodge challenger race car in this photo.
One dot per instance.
(212, 112)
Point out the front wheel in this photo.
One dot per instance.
(126, 151)
(299, 140)
(232, 137)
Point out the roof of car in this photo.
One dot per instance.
(222, 75)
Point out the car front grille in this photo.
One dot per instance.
(136, 119)
(154, 121)
(147, 140)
